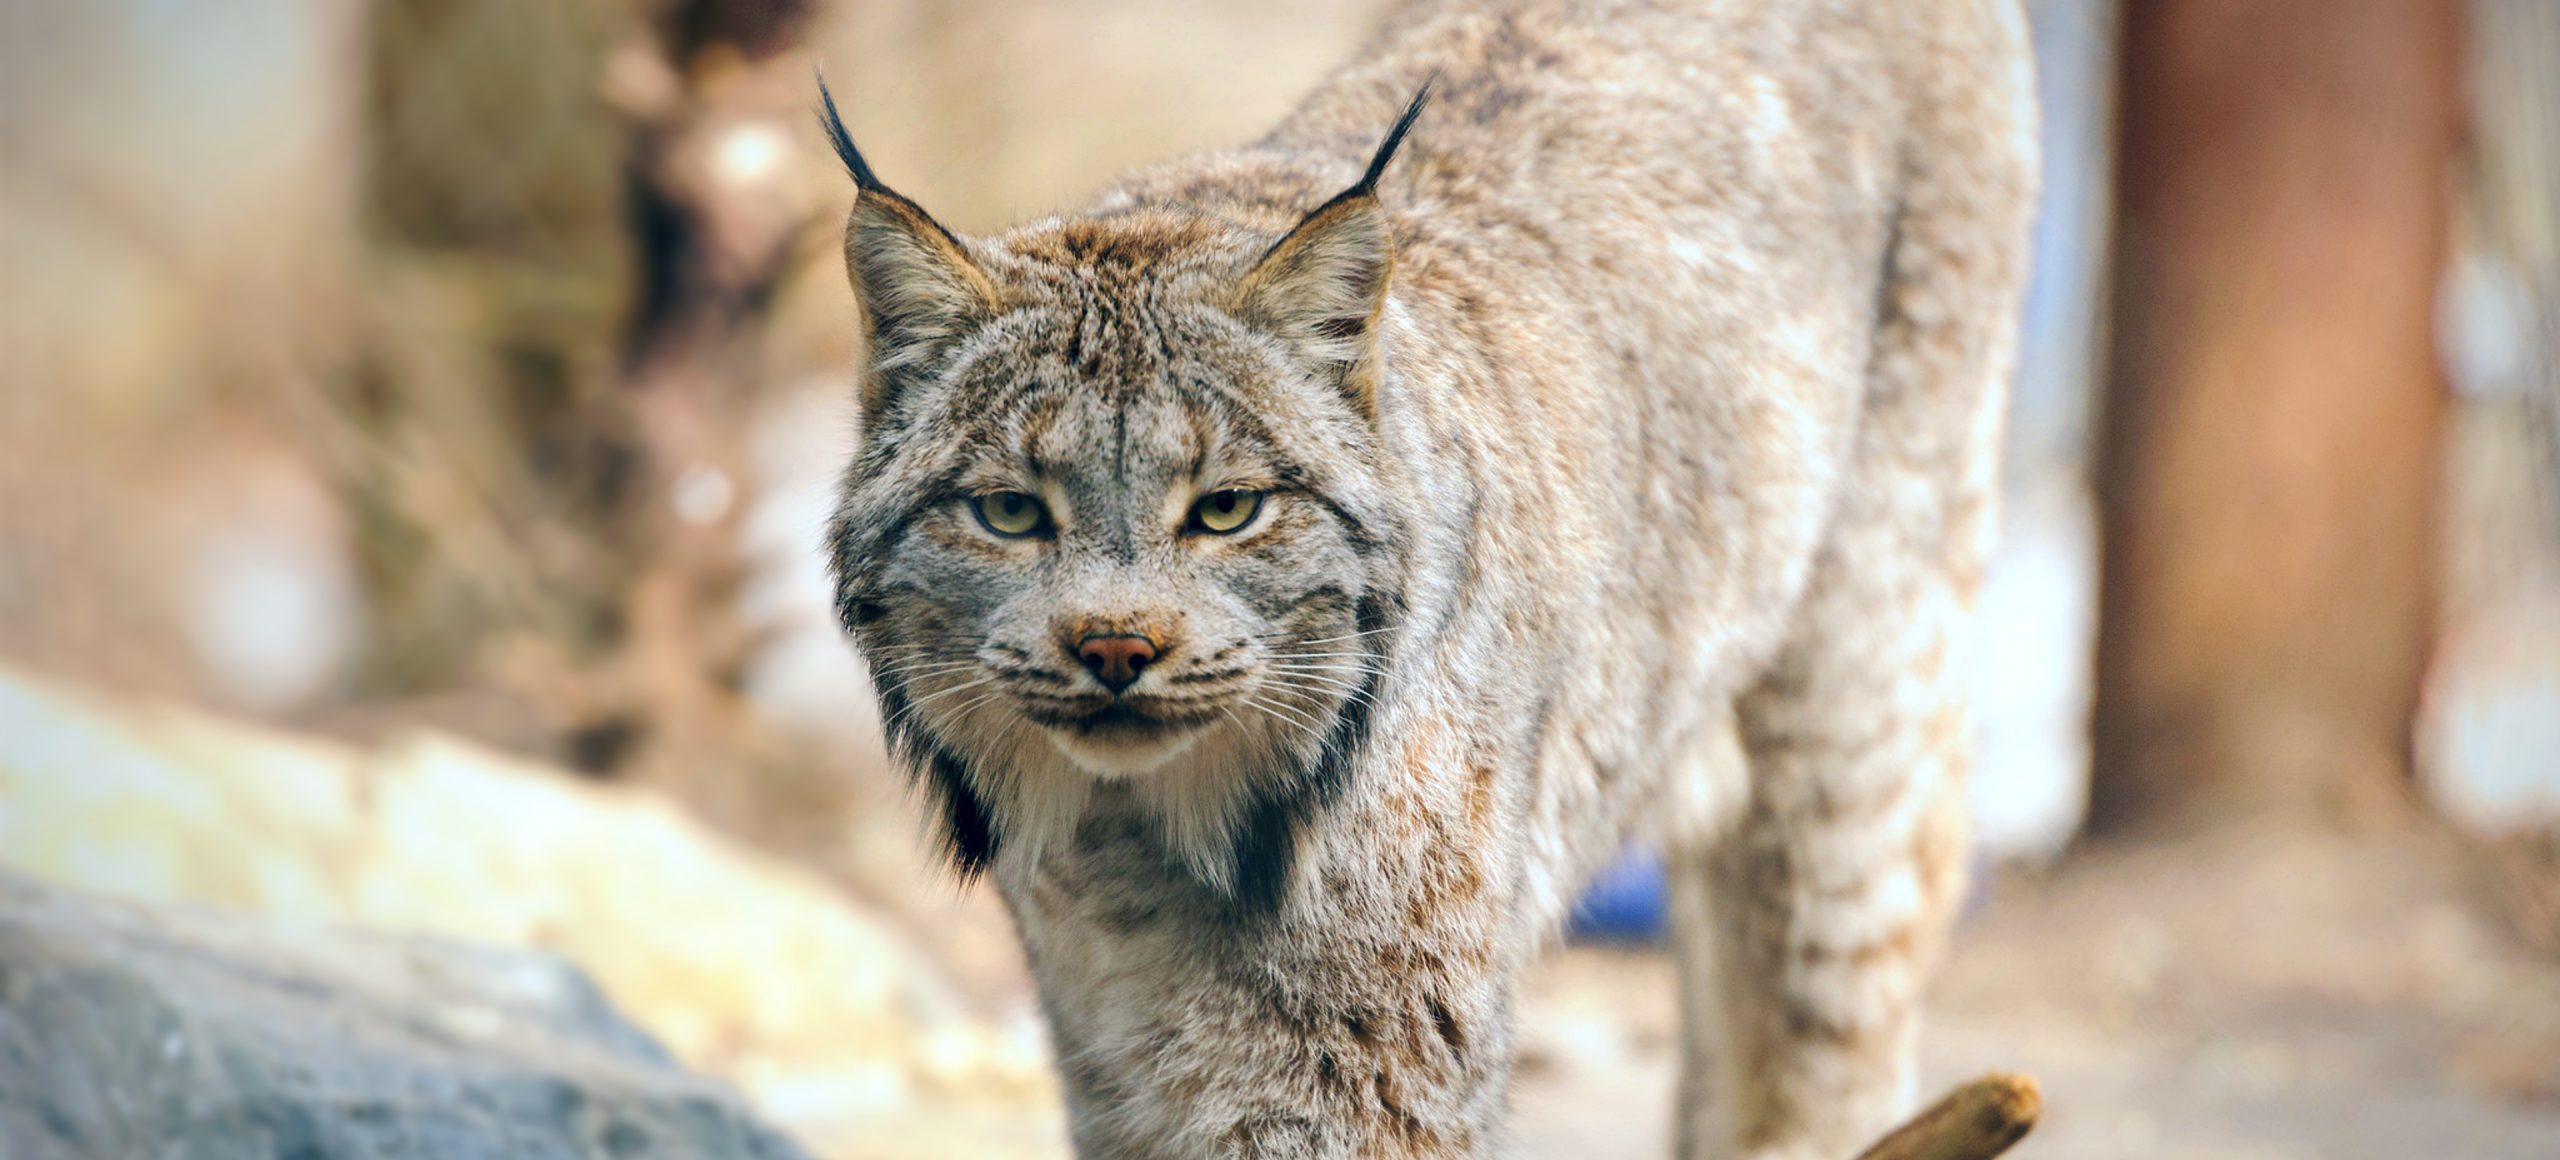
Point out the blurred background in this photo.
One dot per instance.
(417, 418)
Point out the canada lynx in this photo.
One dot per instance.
(1291, 582)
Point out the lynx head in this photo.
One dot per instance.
(1116, 516)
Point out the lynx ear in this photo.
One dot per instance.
(1322, 286)
(914, 281)
(916, 284)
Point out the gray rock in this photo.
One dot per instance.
(135, 1033)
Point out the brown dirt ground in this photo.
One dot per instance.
(2265, 994)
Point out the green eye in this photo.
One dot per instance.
(1224, 513)
(1010, 514)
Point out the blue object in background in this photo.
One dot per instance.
(1629, 903)
(1624, 905)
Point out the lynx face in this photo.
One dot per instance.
(1117, 514)
(1123, 557)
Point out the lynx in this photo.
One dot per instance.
(1291, 577)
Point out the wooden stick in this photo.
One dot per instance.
(1974, 1122)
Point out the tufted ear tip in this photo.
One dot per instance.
(913, 280)
(1322, 287)
(840, 140)
(1395, 135)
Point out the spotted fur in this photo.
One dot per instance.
(1628, 440)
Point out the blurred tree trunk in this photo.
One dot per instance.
(580, 212)
(477, 437)
(715, 213)
(2270, 475)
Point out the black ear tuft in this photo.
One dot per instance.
(1322, 285)
(913, 279)
(845, 152)
(1395, 138)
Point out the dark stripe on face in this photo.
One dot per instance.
(1241, 418)
(1322, 598)
(1266, 848)
(1023, 407)
(1363, 543)
(927, 496)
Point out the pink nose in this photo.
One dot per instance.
(1116, 661)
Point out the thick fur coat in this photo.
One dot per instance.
(1614, 461)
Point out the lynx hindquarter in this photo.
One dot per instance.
(1291, 577)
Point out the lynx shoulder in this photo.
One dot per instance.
(1293, 575)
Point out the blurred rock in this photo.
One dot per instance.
(825, 1014)
(131, 1031)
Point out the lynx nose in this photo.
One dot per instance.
(1116, 661)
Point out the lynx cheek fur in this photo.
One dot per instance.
(1290, 583)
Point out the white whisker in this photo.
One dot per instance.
(930, 670)
(1343, 675)
(1287, 712)
(1350, 696)
(1327, 670)
(974, 703)
(1312, 681)
(1350, 636)
(913, 706)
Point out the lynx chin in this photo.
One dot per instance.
(1290, 577)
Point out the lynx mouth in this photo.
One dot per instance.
(1122, 736)
(1120, 718)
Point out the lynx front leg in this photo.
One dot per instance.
(1367, 1014)
(1806, 932)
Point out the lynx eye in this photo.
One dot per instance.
(1224, 513)
(1010, 514)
